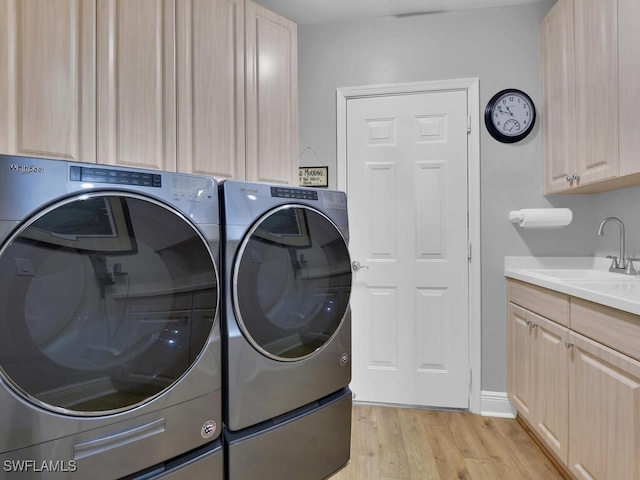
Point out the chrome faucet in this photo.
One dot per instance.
(619, 264)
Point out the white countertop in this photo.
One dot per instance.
(583, 277)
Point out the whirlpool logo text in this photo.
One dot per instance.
(24, 169)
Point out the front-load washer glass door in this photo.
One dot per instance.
(106, 300)
(292, 280)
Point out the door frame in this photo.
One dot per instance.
(472, 87)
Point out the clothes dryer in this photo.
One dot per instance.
(286, 330)
(110, 361)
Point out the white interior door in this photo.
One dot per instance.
(407, 186)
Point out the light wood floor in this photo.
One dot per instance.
(408, 444)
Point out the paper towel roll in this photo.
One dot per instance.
(541, 217)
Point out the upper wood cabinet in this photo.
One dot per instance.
(48, 79)
(590, 89)
(271, 96)
(237, 91)
(558, 100)
(629, 87)
(136, 83)
(596, 89)
(210, 40)
(154, 84)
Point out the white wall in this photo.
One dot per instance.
(500, 46)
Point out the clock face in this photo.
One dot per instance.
(510, 115)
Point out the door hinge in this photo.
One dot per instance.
(469, 251)
(468, 123)
(470, 379)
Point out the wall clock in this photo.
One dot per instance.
(510, 115)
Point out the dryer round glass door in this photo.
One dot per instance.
(292, 281)
(106, 300)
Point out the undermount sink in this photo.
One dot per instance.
(579, 274)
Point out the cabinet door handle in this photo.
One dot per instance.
(573, 178)
(568, 344)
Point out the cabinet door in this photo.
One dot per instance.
(271, 96)
(537, 375)
(551, 385)
(596, 74)
(136, 83)
(558, 136)
(520, 354)
(604, 413)
(47, 78)
(210, 82)
(629, 85)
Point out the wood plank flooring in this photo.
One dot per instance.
(408, 444)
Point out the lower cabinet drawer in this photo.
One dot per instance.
(545, 302)
(614, 328)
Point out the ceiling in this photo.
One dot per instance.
(323, 11)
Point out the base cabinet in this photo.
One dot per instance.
(539, 375)
(521, 360)
(580, 397)
(604, 394)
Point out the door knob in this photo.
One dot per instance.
(356, 265)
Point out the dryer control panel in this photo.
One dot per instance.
(119, 177)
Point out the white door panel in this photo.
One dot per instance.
(407, 187)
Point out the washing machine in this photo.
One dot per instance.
(286, 331)
(110, 352)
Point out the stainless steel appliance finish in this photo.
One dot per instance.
(205, 462)
(110, 353)
(310, 444)
(286, 281)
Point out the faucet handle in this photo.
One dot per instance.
(630, 270)
(614, 261)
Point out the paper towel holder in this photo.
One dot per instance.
(541, 217)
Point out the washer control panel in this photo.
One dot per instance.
(287, 192)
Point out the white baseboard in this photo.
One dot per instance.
(496, 404)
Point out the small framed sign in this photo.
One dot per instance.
(313, 177)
